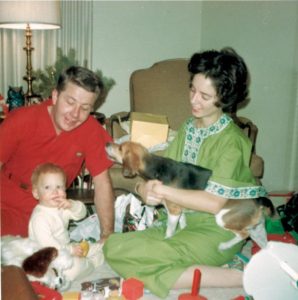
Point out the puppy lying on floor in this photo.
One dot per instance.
(244, 216)
(136, 160)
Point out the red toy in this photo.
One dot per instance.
(132, 289)
(44, 292)
(195, 288)
(242, 298)
(285, 238)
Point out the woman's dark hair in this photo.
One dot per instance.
(81, 77)
(228, 72)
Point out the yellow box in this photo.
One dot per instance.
(148, 129)
(71, 296)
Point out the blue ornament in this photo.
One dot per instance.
(15, 98)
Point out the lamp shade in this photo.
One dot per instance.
(38, 14)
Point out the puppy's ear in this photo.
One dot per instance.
(131, 163)
(37, 264)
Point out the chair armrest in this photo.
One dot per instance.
(113, 124)
(257, 166)
(120, 182)
(248, 127)
(100, 117)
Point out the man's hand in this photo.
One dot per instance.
(104, 204)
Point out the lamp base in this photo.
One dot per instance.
(32, 99)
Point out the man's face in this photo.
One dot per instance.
(71, 107)
(49, 189)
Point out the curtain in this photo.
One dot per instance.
(76, 33)
(293, 185)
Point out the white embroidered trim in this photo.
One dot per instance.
(237, 192)
(194, 137)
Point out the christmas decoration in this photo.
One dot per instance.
(46, 79)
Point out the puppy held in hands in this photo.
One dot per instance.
(137, 160)
(244, 217)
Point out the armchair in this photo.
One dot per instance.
(163, 88)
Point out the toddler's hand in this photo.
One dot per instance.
(85, 247)
(63, 203)
(77, 250)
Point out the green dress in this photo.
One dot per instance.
(158, 262)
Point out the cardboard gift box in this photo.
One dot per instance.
(149, 129)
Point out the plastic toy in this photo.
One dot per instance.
(285, 238)
(45, 292)
(85, 247)
(132, 289)
(195, 288)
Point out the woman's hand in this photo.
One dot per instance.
(150, 192)
(154, 192)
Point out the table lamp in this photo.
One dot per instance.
(29, 15)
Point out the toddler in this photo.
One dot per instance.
(48, 225)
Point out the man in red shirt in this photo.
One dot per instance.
(60, 131)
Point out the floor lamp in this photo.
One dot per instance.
(29, 15)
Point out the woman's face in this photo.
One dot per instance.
(203, 97)
(71, 107)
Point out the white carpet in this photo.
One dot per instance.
(105, 271)
(211, 293)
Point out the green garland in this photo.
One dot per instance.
(46, 79)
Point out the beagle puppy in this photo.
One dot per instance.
(244, 217)
(136, 160)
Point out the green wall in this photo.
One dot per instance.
(265, 34)
(130, 35)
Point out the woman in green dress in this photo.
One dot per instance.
(210, 138)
